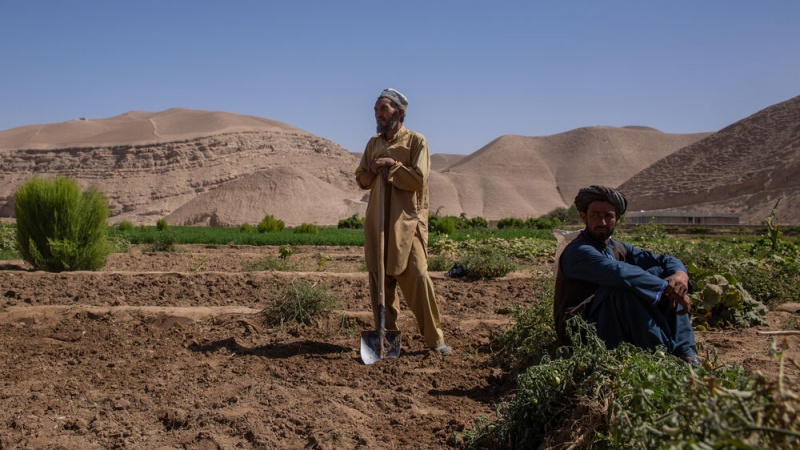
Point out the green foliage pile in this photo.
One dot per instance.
(60, 228)
(246, 228)
(629, 398)
(533, 335)
(270, 224)
(307, 228)
(353, 222)
(300, 302)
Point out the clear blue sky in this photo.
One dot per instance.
(472, 70)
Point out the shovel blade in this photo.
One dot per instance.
(372, 350)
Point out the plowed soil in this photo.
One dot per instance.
(172, 351)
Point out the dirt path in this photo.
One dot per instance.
(170, 351)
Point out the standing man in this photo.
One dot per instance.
(398, 158)
(629, 294)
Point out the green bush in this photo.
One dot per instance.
(163, 242)
(162, 225)
(486, 262)
(439, 263)
(510, 222)
(125, 226)
(300, 302)
(307, 228)
(59, 228)
(352, 222)
(270, 224)
(444, 225)
(246, 228)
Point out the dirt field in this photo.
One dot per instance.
(169, 351)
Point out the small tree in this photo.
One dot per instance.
(59, 228)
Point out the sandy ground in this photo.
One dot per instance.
(170, 351)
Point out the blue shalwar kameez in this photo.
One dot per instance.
(618, 288)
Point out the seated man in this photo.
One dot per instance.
(628, 294)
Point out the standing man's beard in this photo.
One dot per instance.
(389, 126)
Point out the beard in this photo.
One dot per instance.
(389, 125)
(600, 234)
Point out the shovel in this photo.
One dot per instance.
(380, 344)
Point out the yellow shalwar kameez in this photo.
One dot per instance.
(406, 231)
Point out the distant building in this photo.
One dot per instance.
(682, 218)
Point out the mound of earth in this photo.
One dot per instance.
(519, 176)
(171, 350)
(747, 168)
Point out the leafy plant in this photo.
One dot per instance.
(162, 225)
(322, 259)
(721, 301)
(307, 228)
(270, 224)
(164, 242)
(300, 302)
(246, 228)
(352, 222)
(486, 262)
(59, 227)
(125, 226)
(285, 251)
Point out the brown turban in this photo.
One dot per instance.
(597, 193)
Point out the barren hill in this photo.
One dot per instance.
(518, 176)
(746, 168)
(150, 165)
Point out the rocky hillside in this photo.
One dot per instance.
(746, 168)
(151, 165)
(519, 176)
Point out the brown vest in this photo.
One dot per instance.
(571, 295)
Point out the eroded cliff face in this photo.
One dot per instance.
(146, 182)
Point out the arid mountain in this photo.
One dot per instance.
(151, 165)
(517, 176)
(746, 168)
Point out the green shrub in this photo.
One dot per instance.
(59, 228)
(162, 225)
(444, 225)
(246, 228)
(142, 228)
(510, 222)
(125, 226)
(163, 242)
(352, 222)
(569, 216)
(478, 222)
(307, 228)
(300, 302)
(486, 262)
(439, 263)
(270, 224)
